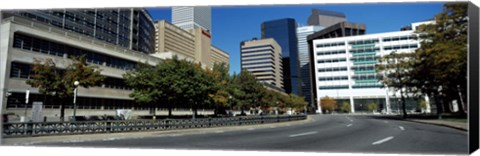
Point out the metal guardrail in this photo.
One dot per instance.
(24, 129)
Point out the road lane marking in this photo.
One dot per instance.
(302, 134)
(382, 141)
(349, 125)
(349, 119)
(401, 127)
(385, 121)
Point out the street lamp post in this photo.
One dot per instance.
(230, 104)
(76, 83)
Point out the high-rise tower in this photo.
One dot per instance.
(302, 33)
(192, 17)
(284, 32)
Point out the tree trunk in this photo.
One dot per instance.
(169, 105)
(439, 106)
(62, 107)
(404, 108)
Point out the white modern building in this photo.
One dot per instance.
(302, 33)
(192, 17)
(345, 67)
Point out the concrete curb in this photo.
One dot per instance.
(439, 124)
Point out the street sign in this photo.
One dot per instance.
(37, 111)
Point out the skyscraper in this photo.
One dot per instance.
(302, 33)
(284, 32)
(129, 28)
(325, 18)
(192, 17)
(263, 59)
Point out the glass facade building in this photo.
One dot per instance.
(284, 32)
(304, 58)
(129, 28)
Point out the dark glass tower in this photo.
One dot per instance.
(284, 32)
(129, 28)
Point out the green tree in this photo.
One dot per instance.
(328, 104)
(346, 107)
(397, 69)
(422, 105)
(222, 84)
(145, 81)
(251, 90)
(297, 103)
(58, 83)
(372, 107)
(441, 61)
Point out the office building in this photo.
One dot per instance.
(24, 40)
(129, 28)
(263, 59)
(344, 68)
(284, 32)
(341, 29)
(194, 45)
(192, 17)
(325, 18)
(302, 33)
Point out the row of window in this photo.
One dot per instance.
(258, 67)
(257, 63)
(21, 70)
(256, 51)
(362, 50)
(265, 54)
(332, 69)
(257, 59)
(262, 71)
(361, 59)
(332, 60)
(52, 48)
(336, 78)
(260, 46)
(331, 52)
(330, 44)
(333, 87)
(409, 46)
(373, 85)
(17, 100)
(360, 68)
(370, 41)
(399, 38)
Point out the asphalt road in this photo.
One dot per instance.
(327, 133)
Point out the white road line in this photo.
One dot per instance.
(401, 127)
(349, 119)
(385, 121)
(302, 134)
(382, 141)
(349, 125)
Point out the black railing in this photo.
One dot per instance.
(22, 129)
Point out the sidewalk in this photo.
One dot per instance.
(451, 124)
(22, 141)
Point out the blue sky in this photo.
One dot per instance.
(233, 24)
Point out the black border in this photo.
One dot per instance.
(473, 77)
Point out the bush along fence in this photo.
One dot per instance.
(23, 129)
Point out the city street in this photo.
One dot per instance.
(326, 133)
